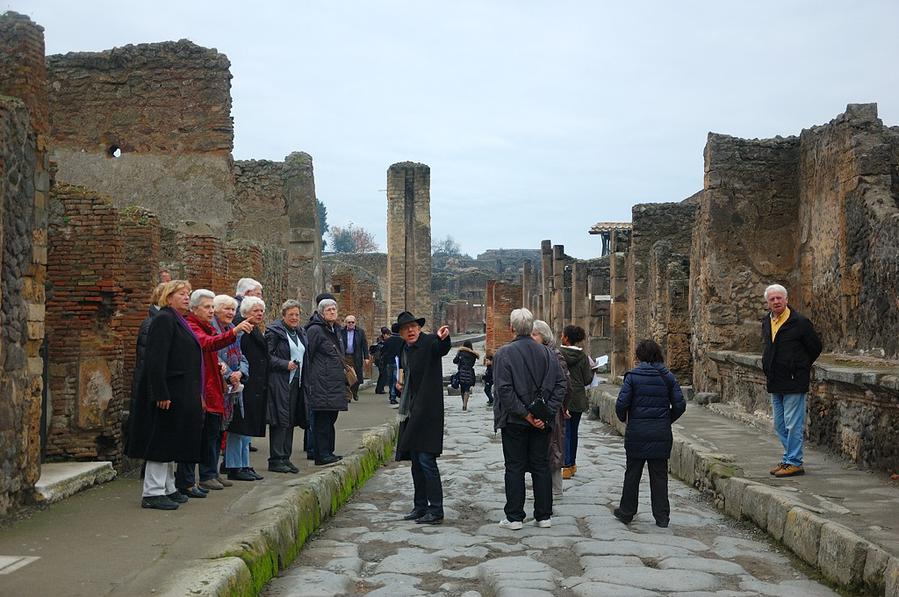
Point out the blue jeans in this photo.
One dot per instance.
(428, 486)
(571, 427)
(237, 451)
(789, 422)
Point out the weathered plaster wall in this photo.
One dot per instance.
(167, 108)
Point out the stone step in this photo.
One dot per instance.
(59, 480)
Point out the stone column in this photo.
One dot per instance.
(621, 360)
(409, 240)
(546, 280)
(526, 281)
(305, 275)
(557, 310)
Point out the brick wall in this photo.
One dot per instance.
(502, 299)
(85, 269)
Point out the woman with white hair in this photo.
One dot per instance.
(235, 372)
(251, 420)
(542, 334)
(327, 379)
(202, 312)
(245, 287)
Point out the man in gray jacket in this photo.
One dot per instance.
(519, 369)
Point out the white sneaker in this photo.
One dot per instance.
(512, 525)
(545, 524)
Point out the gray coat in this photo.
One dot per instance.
(515, 367)
(325, 374)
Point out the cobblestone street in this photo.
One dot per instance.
(368, 549)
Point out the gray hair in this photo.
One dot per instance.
(223, 300)
(245, 284)
(522, 321)
(324, 304)
(775, 288)
(249, 303)
(197, 296)
(288, 305)
(542, 328)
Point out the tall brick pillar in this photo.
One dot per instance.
(546, 280)
(24, 189)
(306, 277)
(409, 240)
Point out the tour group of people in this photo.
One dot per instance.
(538, 394)
(210, 376)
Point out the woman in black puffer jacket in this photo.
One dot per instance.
(327, 379)
(650, 400)
(466, 358)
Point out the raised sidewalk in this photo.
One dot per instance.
(100, 542)
(843, 521)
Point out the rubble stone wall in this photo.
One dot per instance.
(147, 125)
(620, 360)
(848, 225)
(743, 240)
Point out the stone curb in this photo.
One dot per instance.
(250, 560)
(836, 551)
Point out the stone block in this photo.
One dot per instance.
(756, 501)
(891, 578)
(876, 562)
(802, 534)
(778, 507)
(35, 366)
(689, 392)
(841, 555)
(732, 490)
(707, 398)
(36, 312)
(35, 330)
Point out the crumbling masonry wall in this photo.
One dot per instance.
(409, 239)
(502, 299)
(661, 236)
(24, 187)
(147, 125)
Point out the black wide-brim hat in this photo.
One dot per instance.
(404, 318)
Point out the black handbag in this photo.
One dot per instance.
(536, 404)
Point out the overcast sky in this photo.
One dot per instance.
(536, 118)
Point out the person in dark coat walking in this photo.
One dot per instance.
(465, 358)
(328, 389)
(251, 422)
(377, 354)
(167, 423)
(287, 385)
(649, 401)
(421, 413)
(791, 346)
(520, 368)
(356, 346)
(581, 375)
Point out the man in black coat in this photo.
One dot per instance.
(356, 345)
(519, 369)
(421, 413)
(791, 346)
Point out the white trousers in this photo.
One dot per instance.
(159, 478)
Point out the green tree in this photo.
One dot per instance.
(322, 222)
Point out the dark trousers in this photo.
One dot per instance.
(280, 444)
(323, 433)
(383, 379)
(391, 381)
(658, 487)
(488, 389)
(428, 486)
(571, 427)
(526, 448)
(211, 446)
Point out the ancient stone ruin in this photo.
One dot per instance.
(818, 213)
(409, 238)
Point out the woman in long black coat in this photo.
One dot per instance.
(287, 385)
(465, 359)
(327, 379)
(649, 401)
(253, 347)
(167, 422)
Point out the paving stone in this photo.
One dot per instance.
(393, 578)
(789, 588)
(302, 582)
(652, 579)
(732, 547)
(627, 548)
(610, 561)
(410, 561)
(602, 589)
(703, 564)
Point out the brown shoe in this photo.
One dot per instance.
(224, 482)
(566, 473)
(777, 468)
(789, 470)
